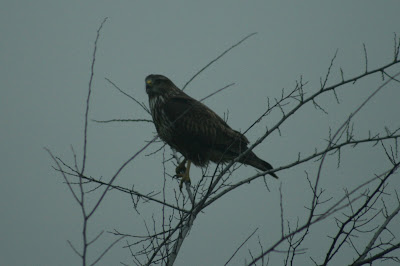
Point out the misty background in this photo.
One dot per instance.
(45, 56)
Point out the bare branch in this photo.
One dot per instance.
(241, 245)
(126, 94)
(106, 250)
(89, 92)
(368, 248)
(366, 58)
(123, 120)
(217, 58)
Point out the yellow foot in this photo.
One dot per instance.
(185, 175)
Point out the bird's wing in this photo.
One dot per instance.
(196, 120)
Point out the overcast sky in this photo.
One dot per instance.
(45, 56)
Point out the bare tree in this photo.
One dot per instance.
(359, 212)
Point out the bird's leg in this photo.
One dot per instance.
(185, 176)
(181, 169)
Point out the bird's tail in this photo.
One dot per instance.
(253, 160)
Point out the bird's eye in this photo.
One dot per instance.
(149, 82)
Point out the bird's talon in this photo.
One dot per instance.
(181, 168)
(184, 180)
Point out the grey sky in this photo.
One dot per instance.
(45, 57)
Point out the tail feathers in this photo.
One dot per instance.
(256, 162)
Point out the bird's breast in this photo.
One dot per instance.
(162, 122)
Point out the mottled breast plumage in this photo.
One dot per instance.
(163, 124)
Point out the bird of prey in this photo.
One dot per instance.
(194, 130)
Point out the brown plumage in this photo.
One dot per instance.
(193, 129)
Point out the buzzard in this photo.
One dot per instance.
(194, 130)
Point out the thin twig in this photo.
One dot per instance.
(89, 92)
(241, 245)
(123, 120)
(106, 250)
(126, 94)
(217, 58)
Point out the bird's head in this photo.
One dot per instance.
(159, 85)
